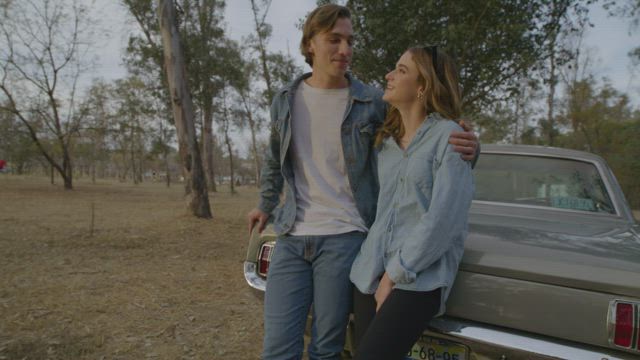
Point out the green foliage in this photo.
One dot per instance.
(602, 122)
(496, 125)
(493, 42)
(624, 157)
(16, 146)
(590, 113)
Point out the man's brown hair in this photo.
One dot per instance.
(321, 19)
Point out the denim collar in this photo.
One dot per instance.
(357, 90)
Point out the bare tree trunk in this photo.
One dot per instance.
(207, 145)
(93, 170)
(227, 140)
(132, 150)
(516, 134)
(140, 167)
(166, 168)
(183, 109)
(551, 97)
(165, 154)
(254, 145)
(139, 153)
(259, 23)
(67, 175)
(125, 167)
(558, 10)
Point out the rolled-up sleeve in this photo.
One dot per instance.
(444, 221)
(397, 271)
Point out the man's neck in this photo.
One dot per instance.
(323, 81)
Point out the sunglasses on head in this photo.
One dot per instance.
(433, 50)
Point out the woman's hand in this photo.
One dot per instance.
(384, 289)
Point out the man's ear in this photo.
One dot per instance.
(310, 47)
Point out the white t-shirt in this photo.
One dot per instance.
(325, 203)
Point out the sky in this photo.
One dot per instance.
(608, 41)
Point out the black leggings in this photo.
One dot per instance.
(390, 333)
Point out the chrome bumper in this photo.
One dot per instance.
(487, 342)
(252, 278)
(490, 342)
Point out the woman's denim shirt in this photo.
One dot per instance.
(421, 222)
(364, 113)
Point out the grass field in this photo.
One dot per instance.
(150, 283)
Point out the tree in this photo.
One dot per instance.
(200, 25)
(184, 115)
(160, 146)
(561, 19)
(40, 64)
(510, 119)
(248, 113)
(591, 110)
(262, 34)
(628, 9)
(133, 116)
(16, 146)
(624, 156)
(275, 69)
(226, 122)
(204, 44)
(99, 111)
(495, 43)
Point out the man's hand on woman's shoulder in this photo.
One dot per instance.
(465, 142)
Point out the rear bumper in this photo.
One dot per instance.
(490, 342)
(487, 342)
(257, 283)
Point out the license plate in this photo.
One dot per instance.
(428, 348)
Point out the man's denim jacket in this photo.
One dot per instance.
(365, 112)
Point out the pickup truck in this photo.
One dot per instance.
(551, 268)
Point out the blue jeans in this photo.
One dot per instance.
(306, 270)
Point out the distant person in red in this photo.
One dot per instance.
(2, 164)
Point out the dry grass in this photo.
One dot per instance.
(151, 283)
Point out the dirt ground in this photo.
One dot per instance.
(150, 283)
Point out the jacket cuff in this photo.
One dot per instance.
(397, 272)
(267, 206)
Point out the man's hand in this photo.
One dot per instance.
(383, 291)
(257, 216)
(464, 142)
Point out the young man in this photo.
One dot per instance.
(322, 129)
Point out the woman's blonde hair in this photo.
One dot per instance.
(441, 90)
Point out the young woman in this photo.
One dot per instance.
(407, 264)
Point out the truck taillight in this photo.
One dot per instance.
(623, 335)
(264, 258)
